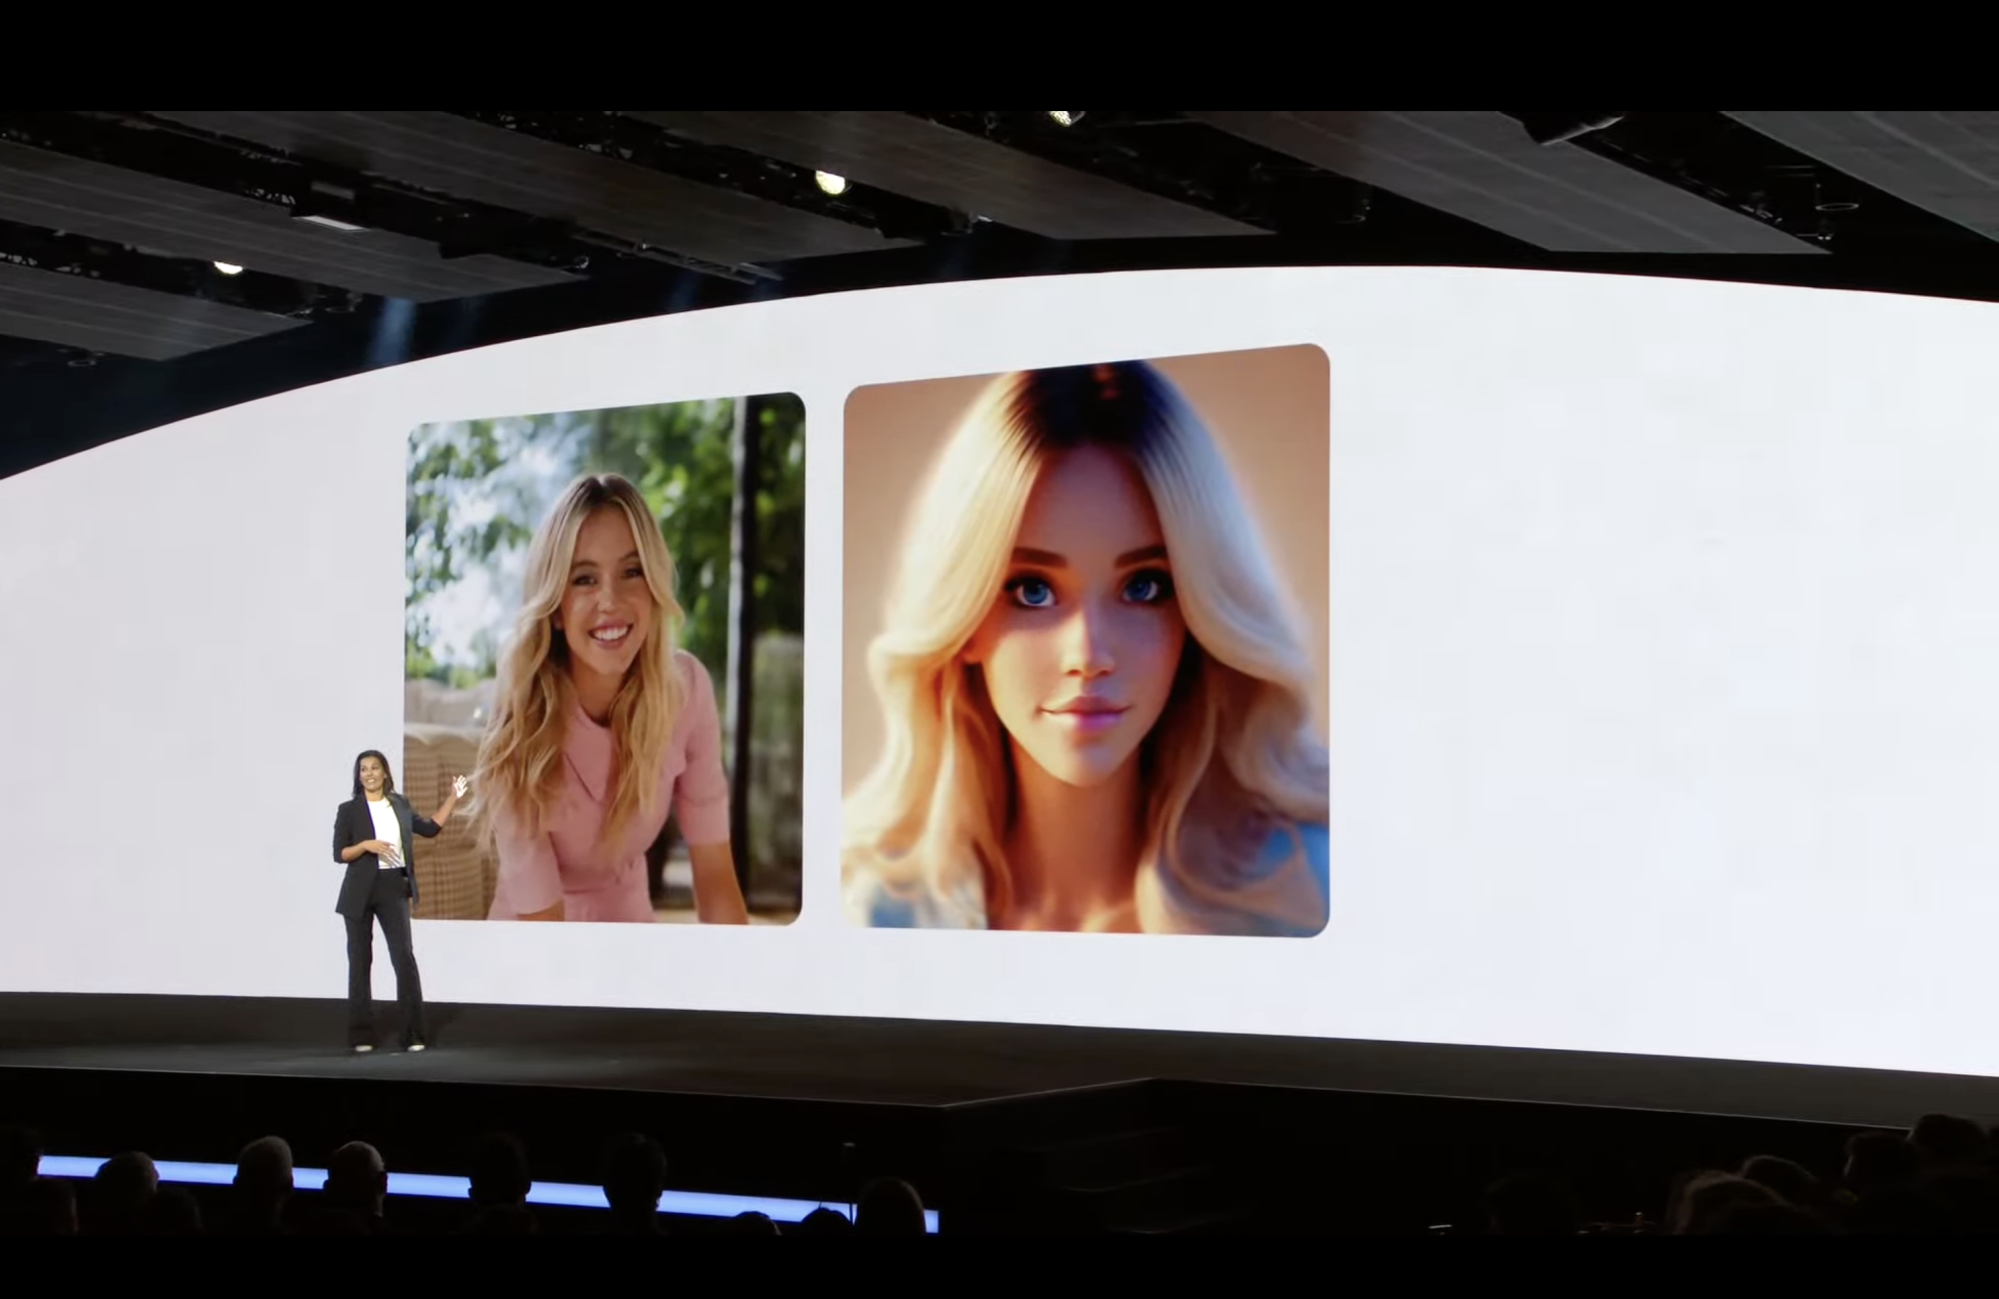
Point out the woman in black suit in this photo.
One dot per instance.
(371, 836)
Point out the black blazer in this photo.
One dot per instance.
(353, 824)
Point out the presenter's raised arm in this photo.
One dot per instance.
(432, 826)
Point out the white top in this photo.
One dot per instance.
(388, 830)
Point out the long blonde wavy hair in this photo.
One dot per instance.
(1234, 759)
(520, 762)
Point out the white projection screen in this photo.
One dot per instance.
(1660, 677)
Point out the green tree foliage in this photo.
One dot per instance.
(777, 768)
(438, 547)
(780, 580)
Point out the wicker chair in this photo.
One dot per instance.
(455, 872)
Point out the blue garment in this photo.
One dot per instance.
(887, 910)
(1277, 850)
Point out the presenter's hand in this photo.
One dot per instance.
(382, 849)
(459, 785)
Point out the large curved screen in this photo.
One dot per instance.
(1453, 656)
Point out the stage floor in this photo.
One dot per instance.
(905, 1062)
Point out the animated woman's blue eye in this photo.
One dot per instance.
(1148, 588)
(1031, 592)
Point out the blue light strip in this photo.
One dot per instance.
(697, 1204)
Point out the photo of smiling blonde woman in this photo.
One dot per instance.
(1096, 694)
(604, 625)
(603, 725)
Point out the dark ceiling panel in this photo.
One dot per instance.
(1482, 166)
(448, 154)
(60, 192)
(1945, 163)
(922, 160)
(115, 318)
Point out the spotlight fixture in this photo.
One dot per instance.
(1560, 128)
(1066, 119)
(834, 185)
(228, 268)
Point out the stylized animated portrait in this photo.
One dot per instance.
(605, 630)
(1085, 649)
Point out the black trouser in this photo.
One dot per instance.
(389, 903)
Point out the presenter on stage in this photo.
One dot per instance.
(602, 726)
(372, 837)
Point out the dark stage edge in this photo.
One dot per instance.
(911, 1062)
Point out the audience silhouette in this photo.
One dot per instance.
(121, 1195)
(889, 1207)
(634, 1179)
(1941, 1177)
(500, 1184)
(353, 1201)
(262, 1189)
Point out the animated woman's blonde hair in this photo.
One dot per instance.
(1234, 759)
(520, 763)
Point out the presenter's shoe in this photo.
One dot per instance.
(415, 1046)
(361, 1048)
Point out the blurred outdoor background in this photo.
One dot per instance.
(726, 480)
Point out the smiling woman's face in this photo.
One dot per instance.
(373, 776)
(607, 608)
(1083, 642)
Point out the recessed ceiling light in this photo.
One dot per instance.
(342, 226)
(834, 185)
(228, 268)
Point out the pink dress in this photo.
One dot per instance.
(566, 864)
